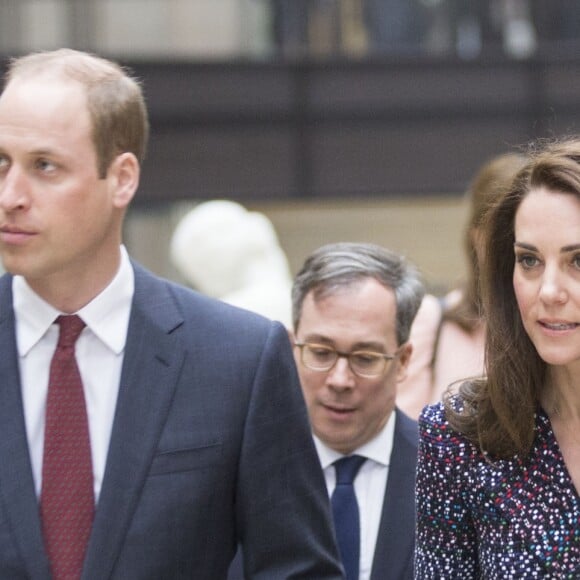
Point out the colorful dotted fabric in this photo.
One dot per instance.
(502, 519)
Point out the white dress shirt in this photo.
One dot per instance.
(369, 487)
(99, 352)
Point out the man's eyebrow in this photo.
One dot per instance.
(367, 346)
(43, 152)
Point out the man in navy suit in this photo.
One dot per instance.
(352, 309)
(198, 436)
(353, 305)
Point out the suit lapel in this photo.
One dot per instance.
(395, 543)
(151, 367)
(17, 492)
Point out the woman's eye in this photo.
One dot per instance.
(527, 261)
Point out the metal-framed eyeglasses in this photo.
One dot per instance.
(363, 363)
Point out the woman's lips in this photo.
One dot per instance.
(558, 327)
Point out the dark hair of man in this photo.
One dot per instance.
(334, 267)
(114, 99)
(497, 413)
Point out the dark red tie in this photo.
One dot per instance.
(67, 501)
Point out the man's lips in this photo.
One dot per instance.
(339, 409)
(14, 235)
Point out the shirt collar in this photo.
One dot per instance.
(377, 449)
(107, 315)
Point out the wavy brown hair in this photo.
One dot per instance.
(497, 412)
(491, 181)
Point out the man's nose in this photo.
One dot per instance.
(340, 376)
(14, 189)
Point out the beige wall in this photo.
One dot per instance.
(428, 231)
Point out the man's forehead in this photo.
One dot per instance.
(348, 288)
(42, 94)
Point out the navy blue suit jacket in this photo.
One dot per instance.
(395, 547)
(210, 447)
(393, 559)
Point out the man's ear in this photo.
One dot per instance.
(291, 335)
(405, 352)
(124, 174)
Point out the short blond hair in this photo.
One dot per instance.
(115, 100)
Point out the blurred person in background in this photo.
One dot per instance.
(499, 460)
(449, 333)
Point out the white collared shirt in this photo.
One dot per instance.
(99, 352)
(370, 485)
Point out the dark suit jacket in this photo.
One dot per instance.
(396, 540)
(210, 447)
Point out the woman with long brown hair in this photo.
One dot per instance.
(499, 460)
(448, 334)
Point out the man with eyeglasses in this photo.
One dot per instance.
(353, 305)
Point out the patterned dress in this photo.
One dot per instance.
(516, 518)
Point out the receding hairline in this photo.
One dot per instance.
(69, 66)
(65, 64)
(115, 99)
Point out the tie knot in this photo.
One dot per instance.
(70, 328)
(347, 468)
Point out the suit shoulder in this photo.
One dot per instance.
(407, 426)
(192, 305)
(202, 307)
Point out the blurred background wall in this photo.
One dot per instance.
(339, 119)
(428, 232)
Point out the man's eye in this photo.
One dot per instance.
(365, 358)
(321, 352)
(45, 166)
